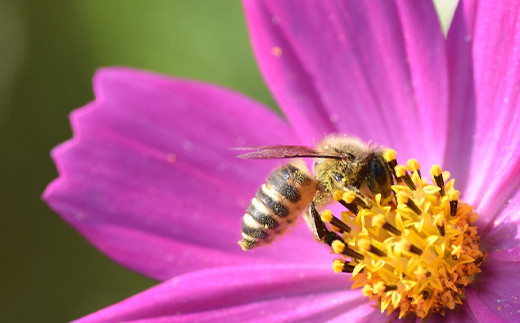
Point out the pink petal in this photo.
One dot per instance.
(494, 296)
(511, 254)
(503, 233)
(375, 316)
(151, 180)
(243, 293)
(460, 314)
(462, 101)
(496, 155)
(374, 69)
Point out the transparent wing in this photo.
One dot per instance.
(278, 152)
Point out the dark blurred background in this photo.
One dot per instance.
(49, 51)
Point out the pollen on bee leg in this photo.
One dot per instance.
(416, 253)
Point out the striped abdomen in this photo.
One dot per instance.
(277, 204)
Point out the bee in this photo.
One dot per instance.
(339, 162)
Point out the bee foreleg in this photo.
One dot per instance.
(318, 228)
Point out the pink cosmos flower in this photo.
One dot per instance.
(150, 180)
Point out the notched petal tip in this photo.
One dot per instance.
(145, 150)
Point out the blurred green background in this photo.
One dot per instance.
(49, 51)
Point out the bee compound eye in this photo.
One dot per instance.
(338, 177)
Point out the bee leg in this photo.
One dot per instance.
(318, 228)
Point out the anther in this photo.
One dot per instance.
(351, 207)
(402, 175)
(441, 229)
(454, 200)
(376, 289)
(339, 196)
(342, 267)
(348, 268)
(354, 196)
(330, 237)
(413, 206)
(413, 166)
(376, 251)
(389, 156)
(405, 199)
(436, 172)
(352, 199)
(415, 250)
(340, 248)
(453, 207)
(326, 216)
(390, 228)
(389, 288)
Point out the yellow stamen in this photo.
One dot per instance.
(438, 178)
(337, 266)
(400, 170)
(338, 246)
(349, 197)
(415, 253)
(402, 197)
(436, 170)
(338, 195)
(453, 195)
(389, 155)
(326, 216)
(413, 165)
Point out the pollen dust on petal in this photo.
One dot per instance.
(276, 51)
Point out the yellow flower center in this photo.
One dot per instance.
(415, 252)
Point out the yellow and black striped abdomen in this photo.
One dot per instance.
(277, 205)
